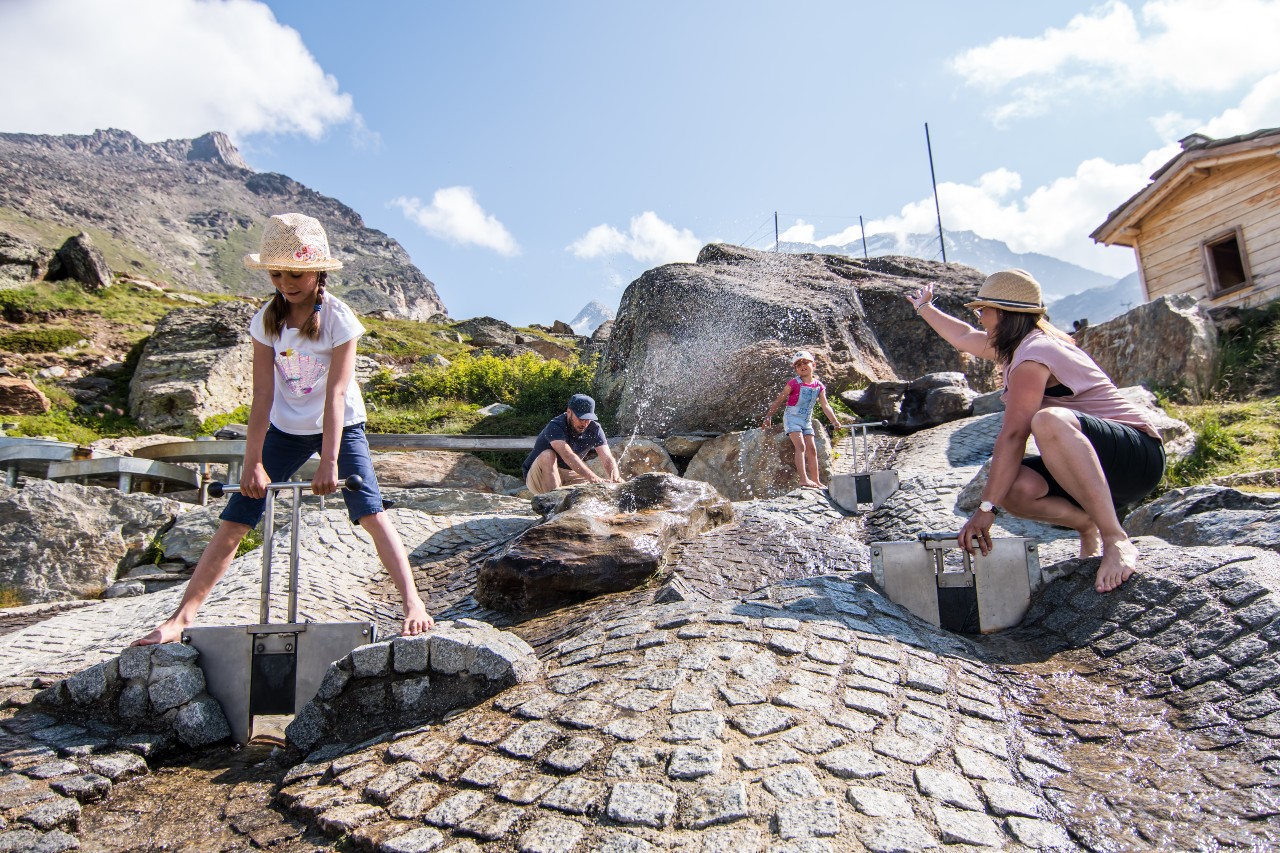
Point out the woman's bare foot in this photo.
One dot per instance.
(1119, 562)
(168, 631)
(416, 620)
(1090, 542)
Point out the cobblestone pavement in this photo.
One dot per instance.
(760, 695)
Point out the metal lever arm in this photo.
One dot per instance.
(217, 490)
(351, 484)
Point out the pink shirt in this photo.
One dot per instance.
(1091, 391)
(795, 385)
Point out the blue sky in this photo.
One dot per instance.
(532, 157)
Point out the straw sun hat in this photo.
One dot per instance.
(1010, 290)
(296, 242)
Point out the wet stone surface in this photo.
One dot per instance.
(760, 695)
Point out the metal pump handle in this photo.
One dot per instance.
(217, 490)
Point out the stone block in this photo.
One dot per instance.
(132, 705)
(201, 722)
(411, 654)
(452, 652)
(642, 804)
(173, 686)
(92, 684)
(372, 660)
(334, 681)
(135, 663)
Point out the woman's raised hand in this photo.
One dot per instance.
(921, 297)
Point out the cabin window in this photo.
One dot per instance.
(1225, 262)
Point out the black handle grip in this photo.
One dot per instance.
(353, 483)
(215, 489)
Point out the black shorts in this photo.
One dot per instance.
(1132, 461)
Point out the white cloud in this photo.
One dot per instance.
(161, 69)
(1187, 46)
(801, 232)
(455, 215)
(649, 240)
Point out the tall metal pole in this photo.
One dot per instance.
(865, 256)
(777, 247)
(941, 240)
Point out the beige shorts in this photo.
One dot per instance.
(555, 477)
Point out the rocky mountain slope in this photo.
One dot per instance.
(186, 211)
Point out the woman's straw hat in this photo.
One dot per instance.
(1010, 290)
(293, 241)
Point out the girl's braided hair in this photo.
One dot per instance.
(278, 309)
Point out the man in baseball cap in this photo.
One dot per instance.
(557, 456)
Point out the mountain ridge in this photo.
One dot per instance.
(192, 209)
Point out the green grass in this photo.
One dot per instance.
(217, 422)
(120, 255)
(252, 541)
(40, 340)
(1231, 438)
(1249, 360)
(409, 339)
(128, 307)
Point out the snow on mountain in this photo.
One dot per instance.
(591, 317)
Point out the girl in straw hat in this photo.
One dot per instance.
(1098, 450)
(305, 400)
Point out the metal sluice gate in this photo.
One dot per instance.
(864, 485)
(272, 669)
(987, 593)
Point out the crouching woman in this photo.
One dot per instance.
(1098, 450)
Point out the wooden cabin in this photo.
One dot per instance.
(1208, 224)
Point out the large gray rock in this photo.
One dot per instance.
(198, 363)
(21, 262)
(705, 347)
(1185, 357)
(488, 332)
(754, 464)
(81, 260)
(598, 539)
(1210, 515)
(933, 399)
(65, 541)
(636, 455)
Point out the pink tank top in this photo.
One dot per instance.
(1091, 392)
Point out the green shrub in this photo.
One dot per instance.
(1215, 448)
(217, 422)
(1249, 355)
(532, 387)
(39, 340)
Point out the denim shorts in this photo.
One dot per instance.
(794, 423)
(284, 453)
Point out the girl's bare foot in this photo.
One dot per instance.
(416, 620)
(1090, 542)
(167, 632)
(1119, 562)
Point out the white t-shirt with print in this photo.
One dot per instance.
(302, 369)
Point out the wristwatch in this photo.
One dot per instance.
(988, 506)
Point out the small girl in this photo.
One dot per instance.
(305, 400)
(799, 394)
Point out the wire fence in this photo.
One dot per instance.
(764, 237)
